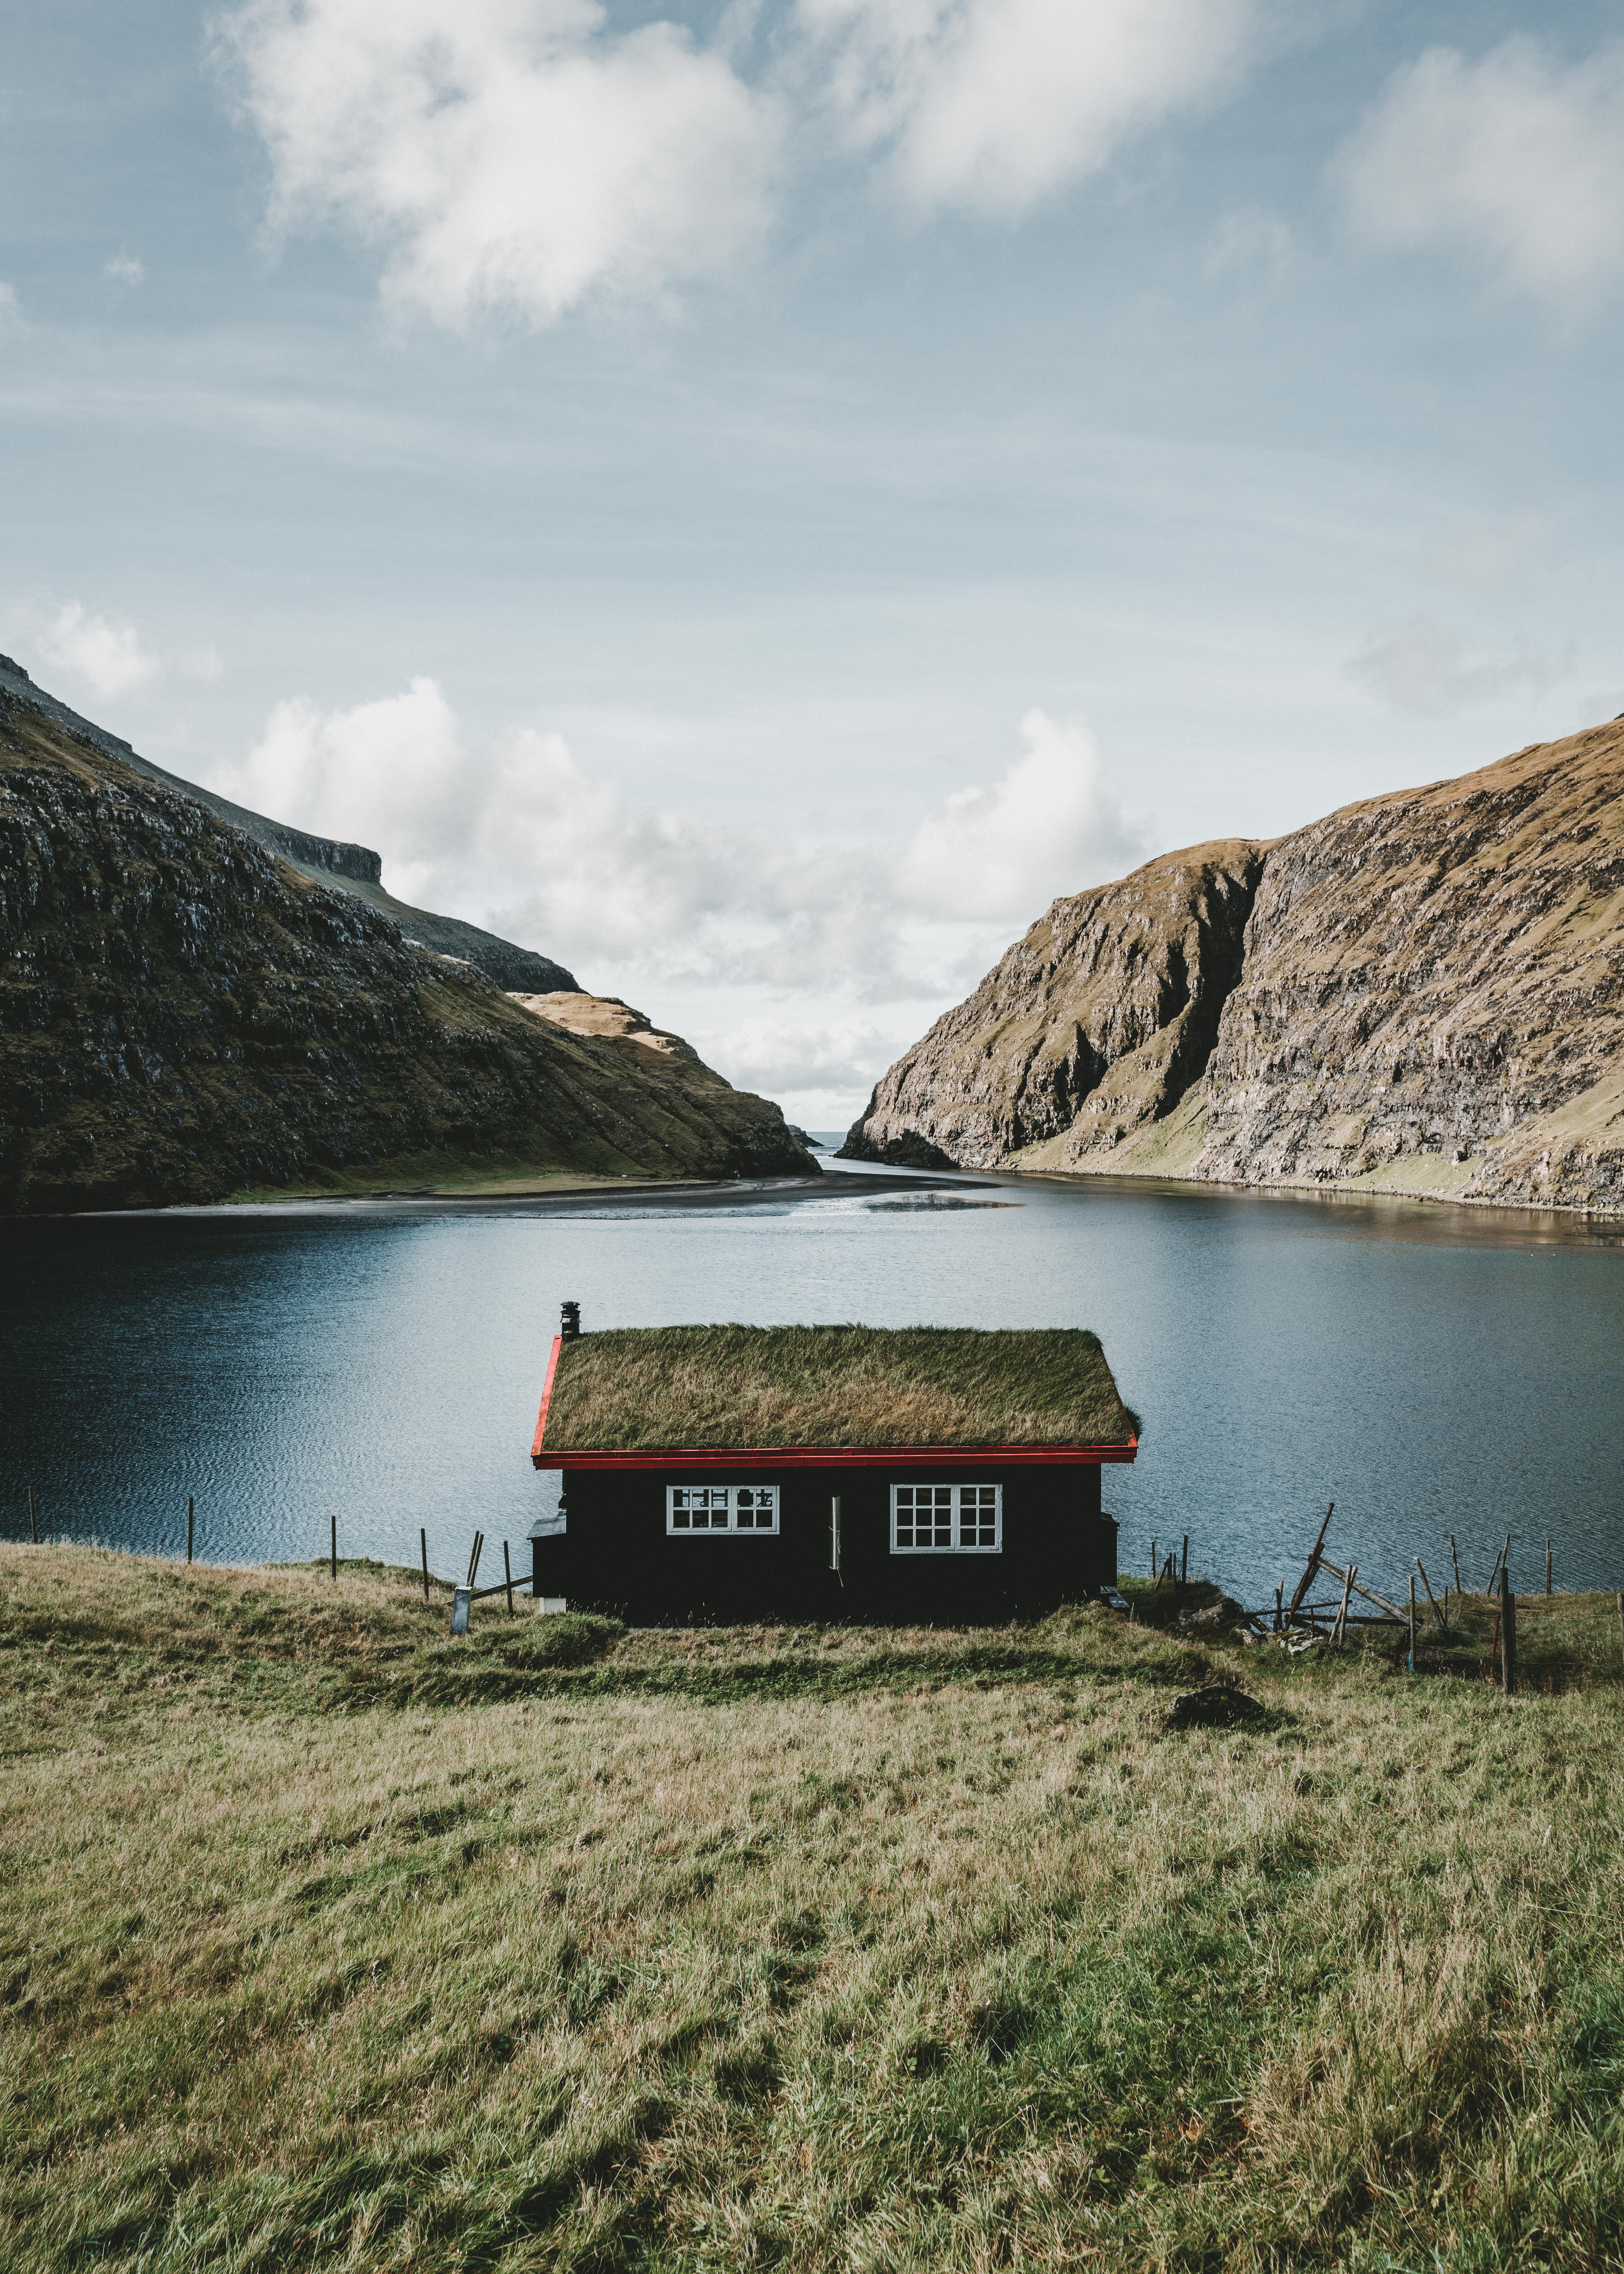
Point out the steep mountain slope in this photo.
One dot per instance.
(182, 1014)
(1092, 1027)
(325, 859)
(1430, 999)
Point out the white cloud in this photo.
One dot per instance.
(518, 837)
(512, 154)
(836, 1060)
(124, 268)
(102, 654)
(1516, 158)
(1421, 665)
(10, 309)
(1049, 827)
(993, 104)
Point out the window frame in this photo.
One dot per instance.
(957, 1546)
(731, 1529)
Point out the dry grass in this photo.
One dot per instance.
(783, 1949)
(636, 1389)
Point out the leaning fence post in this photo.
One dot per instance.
(1508, 1634)
(508, 1575)
(1342, 1616)
(1455, 1560)
(1412, 1627)
(1431, 1597)
(33, 1524)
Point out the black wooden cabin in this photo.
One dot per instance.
(946, 1476)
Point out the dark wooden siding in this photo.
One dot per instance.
(616, 1555)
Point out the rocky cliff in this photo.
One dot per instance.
(1422, 993)
(184, 1014)
(325, 859)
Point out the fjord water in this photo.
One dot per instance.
(1432, 1370)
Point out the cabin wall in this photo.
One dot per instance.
(616, 1555)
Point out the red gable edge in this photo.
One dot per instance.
(546, 1397)
(816, 1456)
(853, 1456)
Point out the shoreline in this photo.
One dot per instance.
(527, 1196)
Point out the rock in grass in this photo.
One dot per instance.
(1216, 1707)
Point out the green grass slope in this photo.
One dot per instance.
(632, 1389)
(330, 1944)
(184, 1016)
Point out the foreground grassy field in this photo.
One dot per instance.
(328, 1944)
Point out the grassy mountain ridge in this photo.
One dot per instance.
(184, 1015)
(323, 860)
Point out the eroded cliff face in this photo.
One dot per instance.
(1093, 1026)
(1428, 997)
(1432, 997)
(184, 1015)
(325, 859)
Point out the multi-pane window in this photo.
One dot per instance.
(721, 1508)
(947, 1520)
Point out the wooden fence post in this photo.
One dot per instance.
(1412, 1626)
(34, 1522)
(1431, 1597)
(1154, 1566)
(335, 1546)
(508, 1575)
(1508, 1634)
(1280, 1597)
(188, 1527)
(1342, 1616)
(1455, 1560)
(1184, 1569)
(424, 1536)
(1621, 1619)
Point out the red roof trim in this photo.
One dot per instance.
(546, 1393)
(826, 1457)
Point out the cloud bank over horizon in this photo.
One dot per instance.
(515, 835)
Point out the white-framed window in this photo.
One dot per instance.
(694, 1509)
(947, 1519)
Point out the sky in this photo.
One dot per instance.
(754, 500)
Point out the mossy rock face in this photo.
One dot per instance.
(184, 1017)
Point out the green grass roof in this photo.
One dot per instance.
(632, 1389)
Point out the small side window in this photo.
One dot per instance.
(947, 1519)
(691, 1510)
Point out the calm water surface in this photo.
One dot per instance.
(1431, 1369)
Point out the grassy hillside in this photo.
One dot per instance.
(327, 1943)
(184, 1017)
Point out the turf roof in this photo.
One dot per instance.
(631, 1389)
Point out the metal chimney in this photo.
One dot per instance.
(570, 1322)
